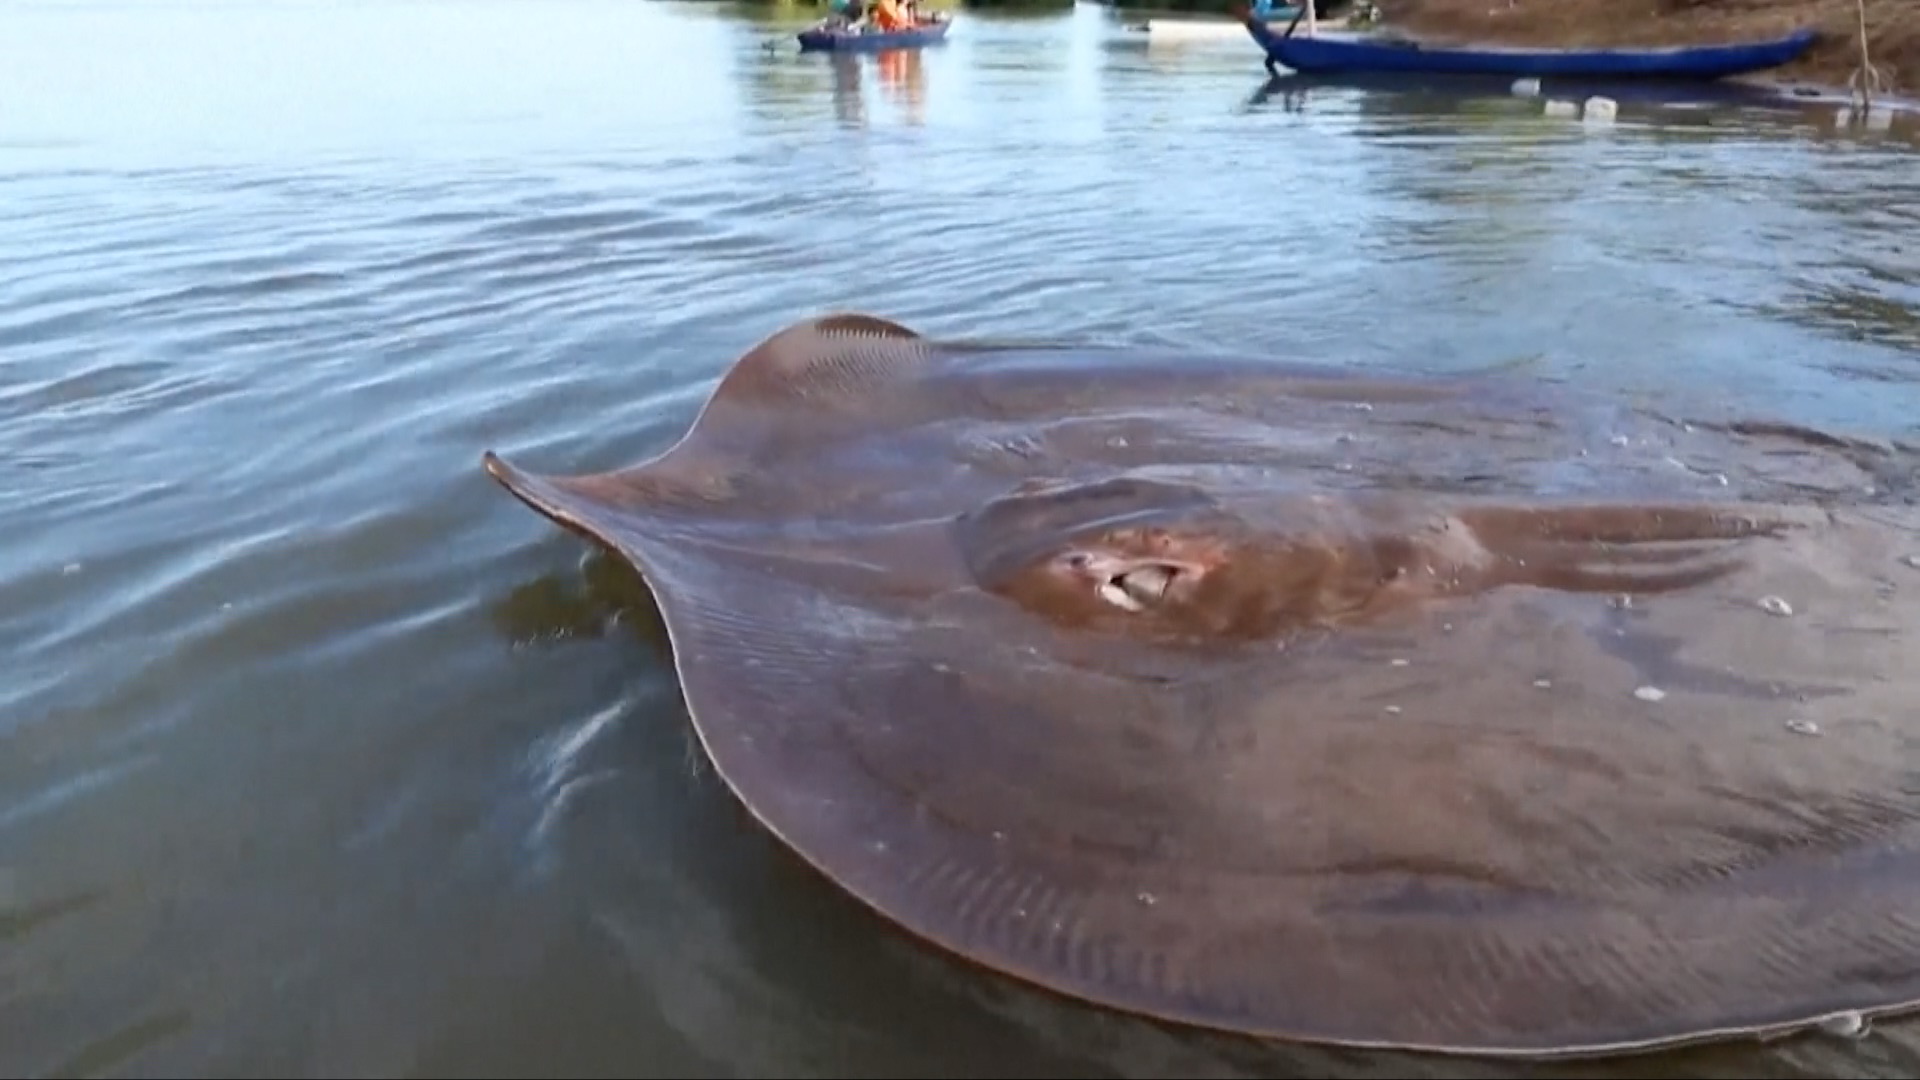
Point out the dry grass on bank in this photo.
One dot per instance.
(1893, 28)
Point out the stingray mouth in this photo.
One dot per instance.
(1128, 584)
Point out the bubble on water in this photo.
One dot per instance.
(1774, 605)
(1803, 727)
(1650, 693)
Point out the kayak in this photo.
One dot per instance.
(1377, 55)
(931, 31)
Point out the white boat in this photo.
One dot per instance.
(1199, 29)
(1204, 27)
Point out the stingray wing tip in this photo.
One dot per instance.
(551, 496)
(497, 467)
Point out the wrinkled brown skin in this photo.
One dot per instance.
(1337, 559)
(1370, 769)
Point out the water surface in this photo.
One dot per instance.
(320, 756)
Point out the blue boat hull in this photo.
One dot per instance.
(819, 40)
(1338, 56)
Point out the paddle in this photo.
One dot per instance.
(1245, 14)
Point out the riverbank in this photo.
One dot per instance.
(1893, 29)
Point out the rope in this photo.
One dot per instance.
(1865, 80)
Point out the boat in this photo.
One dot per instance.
(930, 30)
(1377, 54)
(1199, 29)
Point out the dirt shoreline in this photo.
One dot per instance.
(1893, 29)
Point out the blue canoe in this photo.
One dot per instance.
(927, 33)
(1353, 56)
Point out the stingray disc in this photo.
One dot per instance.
(1460, 714)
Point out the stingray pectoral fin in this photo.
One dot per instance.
(835, 358)
(590, 506)
(853, 322)
(551, 497)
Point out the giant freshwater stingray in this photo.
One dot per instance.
(1461, 713)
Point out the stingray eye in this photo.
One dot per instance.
(1139, 586)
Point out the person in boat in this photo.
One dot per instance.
(889, 17)
(845, 14)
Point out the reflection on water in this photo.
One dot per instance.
(849, 106)
(905, 80)
(604, 594)
(901, 77)
(319, 757)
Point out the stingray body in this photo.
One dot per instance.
(1297, 702)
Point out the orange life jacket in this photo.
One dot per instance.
(887, 14)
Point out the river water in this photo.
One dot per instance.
(320, 756)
